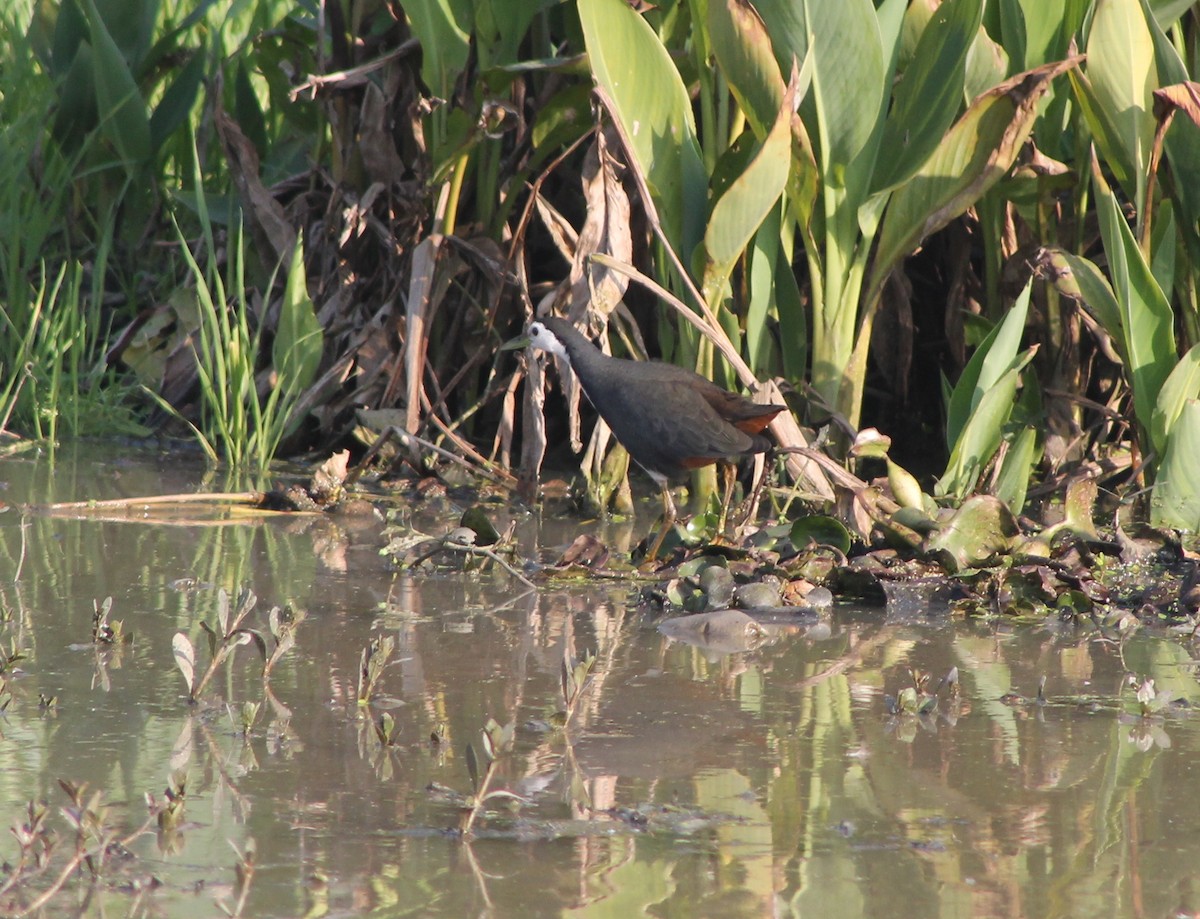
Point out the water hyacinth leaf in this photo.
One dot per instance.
(821, 530)
(1122, 73)
(1079, 510)
(1181, 387)
(475, 518)
(739, 212)
(973, 155)
(994, 357)
(930, 93)
(1147, 321)
(905, 487)
(628, 60)
(978, 531)
(121, 107)
(185, 658)
(1175, 501)
(1012, 483)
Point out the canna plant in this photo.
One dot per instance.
(1130, 93)
(873, 170)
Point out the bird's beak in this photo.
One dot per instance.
(521, 341)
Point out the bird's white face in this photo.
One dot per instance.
(542, 338)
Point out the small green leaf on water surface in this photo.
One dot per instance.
(821, 530)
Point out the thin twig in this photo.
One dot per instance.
(448, 543)
(217, 497)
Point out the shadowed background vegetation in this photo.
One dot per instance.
(971, 225)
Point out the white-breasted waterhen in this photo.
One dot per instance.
(668, 418)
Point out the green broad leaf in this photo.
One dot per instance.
(1049, 26)
(987, 65)
(1122, 73)
(980, 437)
(991, 361)
(1147, 322)
(1008, 21)
(500, 26)
(848, 80)
(1183, 137)
(822, 530)
(1012, 483)
(299, 338)
(744, 53)
(788, 28)
(739, 212)
(973, 155)
(977, 532)
(1162, 245)
(131, 25)
(654, 109)
(761, 270)
(443, 28)
(176, 104)
(565, 117)
(70, 30)
(77, 110)
(1181, 387)
(930, 92)
(1168, 11)
(247, 109)
(793, 329)
(1103, 129)
(122, 110)
(1175, 501)
(1080, 279)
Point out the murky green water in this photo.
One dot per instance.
(769, 783)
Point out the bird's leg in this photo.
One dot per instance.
(729, 474)
(669, 515)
